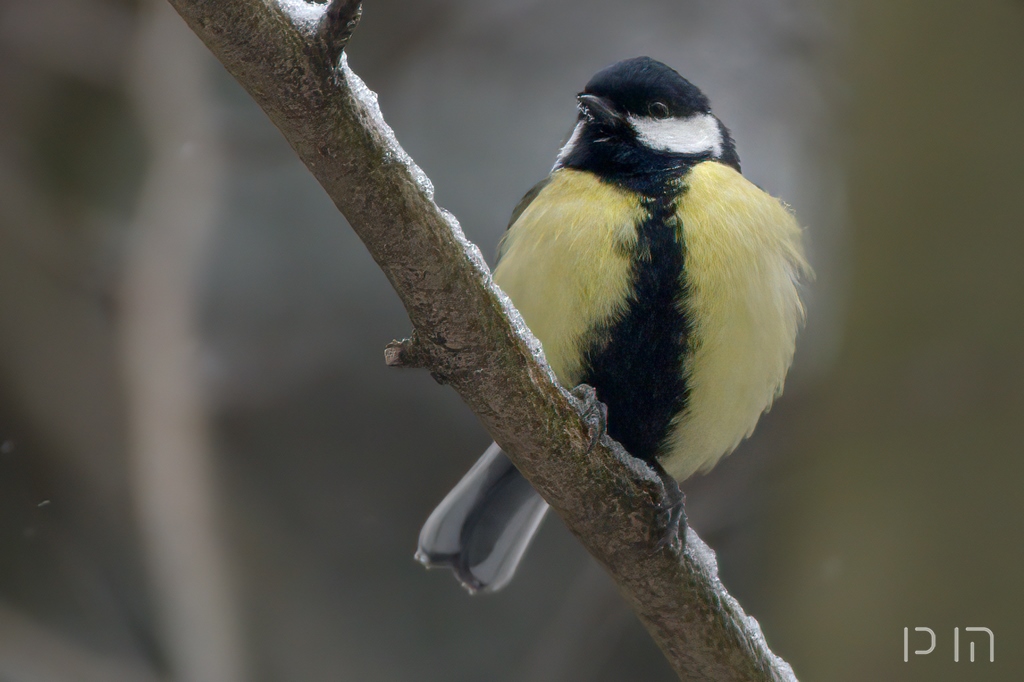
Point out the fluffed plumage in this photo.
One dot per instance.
(652, 270)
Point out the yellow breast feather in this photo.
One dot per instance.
(743, 261)
(565, 263)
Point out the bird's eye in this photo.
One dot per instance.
(658, 110)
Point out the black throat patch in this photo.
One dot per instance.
(636, 364)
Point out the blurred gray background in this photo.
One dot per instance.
(207, 474)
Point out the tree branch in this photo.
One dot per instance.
(468, 334)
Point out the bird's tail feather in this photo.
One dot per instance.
(484, 525)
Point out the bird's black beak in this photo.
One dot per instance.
(598, 109)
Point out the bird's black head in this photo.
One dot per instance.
(640, 121)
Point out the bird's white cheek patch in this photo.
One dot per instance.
(692, 135)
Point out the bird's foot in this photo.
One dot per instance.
(671, 524)
(595, 413)
(671, 519)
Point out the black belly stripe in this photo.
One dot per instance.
(636, 364)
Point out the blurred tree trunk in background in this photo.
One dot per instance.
(161, 345)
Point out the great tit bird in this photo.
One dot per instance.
(651, 270)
